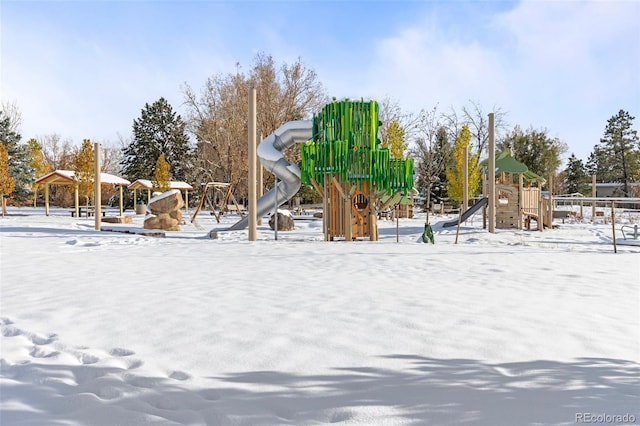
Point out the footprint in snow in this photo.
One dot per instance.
(120, 352)
(87, 358)
(41, 340)
(11, 331)
(37, 352)
(179, 375)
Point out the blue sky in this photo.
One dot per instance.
(85, 69)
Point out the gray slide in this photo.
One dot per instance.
(270, 153)
(467, 214)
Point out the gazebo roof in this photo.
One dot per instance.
(505, 163)
(68, 177)
(147, 184)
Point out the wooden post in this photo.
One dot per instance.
(97, 190)
(76, 199)
(540, 209)
(260, 182)
(46, 199)
(593, 194)
(348, 223)
(458, 227)
(550, 208)
(520, 195)
(613, 225)
(122, 202)
(253, 201)
(373, 217)
(326, 209)
(398, 223)
(491, 175)
(465, 179)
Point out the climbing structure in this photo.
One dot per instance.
(345, 163)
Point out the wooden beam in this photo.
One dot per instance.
(338, 186)
(317, 187)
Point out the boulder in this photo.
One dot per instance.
(285, 221)
(166, 202)
(165, 211)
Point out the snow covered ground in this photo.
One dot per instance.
(511, 328)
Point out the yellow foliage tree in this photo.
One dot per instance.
(7, 184)
(161, 176)
(455, 171)
(84, 168)
(395, 140)
(38, 164)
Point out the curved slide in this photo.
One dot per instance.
(468, 213)
(270, 153)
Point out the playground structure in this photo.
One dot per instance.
(342, 159)
(345, 163)
(217, 195)
(270, 152)
(515, 204)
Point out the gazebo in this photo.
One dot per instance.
(68, 177)
(146, 184)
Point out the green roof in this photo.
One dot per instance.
(505, 163)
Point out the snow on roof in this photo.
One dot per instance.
(147, 184)
(68, 177)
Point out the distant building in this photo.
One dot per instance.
(615, 189)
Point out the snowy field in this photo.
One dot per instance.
(512, 328)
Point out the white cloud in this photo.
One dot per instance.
(564, 66)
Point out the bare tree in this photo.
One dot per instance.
(10, 110)
(390, 111)
(59, 154)
(111, 158)
(477, 119)
(432, 152)
(217, 116)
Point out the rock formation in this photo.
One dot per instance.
(165, 211)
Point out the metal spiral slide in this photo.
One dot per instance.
(270, 153)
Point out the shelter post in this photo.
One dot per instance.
(76, 198)
(122, 201)
(46, 199)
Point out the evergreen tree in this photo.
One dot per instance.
(617, 157)
(19, 167)
(442, 156)
(158, 130)
(161, 176)
(6, 180)
(540, 153)
(575, 176)
(84, 170)
(432, 161)
(455, 172)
